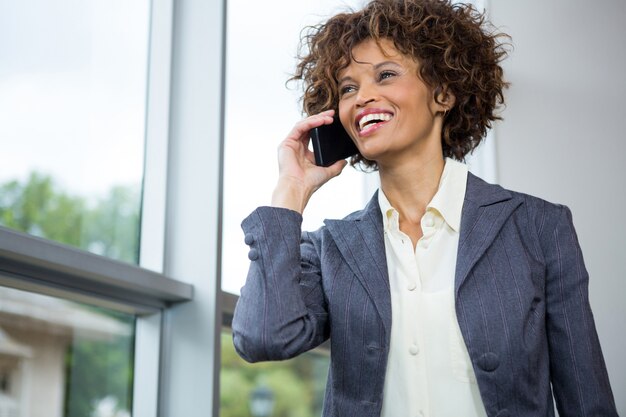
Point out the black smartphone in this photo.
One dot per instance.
(331, 143)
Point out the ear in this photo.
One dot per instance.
(444, 98)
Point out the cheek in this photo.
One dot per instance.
(344, 117)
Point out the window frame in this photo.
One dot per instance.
(191, 332)
(38, 265)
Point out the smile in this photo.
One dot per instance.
(372, 120)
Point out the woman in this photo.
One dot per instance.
(444, 296)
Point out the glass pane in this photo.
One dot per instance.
(72, 110)
(277, 389)
(260, 111)
(63, 359)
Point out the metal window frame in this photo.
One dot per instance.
(149, 328)
(190, 334)
(34, 264)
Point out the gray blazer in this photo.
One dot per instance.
(520, 294)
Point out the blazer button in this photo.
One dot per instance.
(249, 239)
(489, 362)
(503, 413)
(253, 255)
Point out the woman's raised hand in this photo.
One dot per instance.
(298, 176)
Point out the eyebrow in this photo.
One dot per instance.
(375, 67)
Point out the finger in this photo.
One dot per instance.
(301, 129)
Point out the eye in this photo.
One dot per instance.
(346, 89)
(383, 75)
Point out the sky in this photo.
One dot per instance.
(72, 91)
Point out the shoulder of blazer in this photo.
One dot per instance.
(540, 212)
(481, 193)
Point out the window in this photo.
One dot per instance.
(82, 87)
(259, 112)
(294, 387)
(72, 112)
(60, 358)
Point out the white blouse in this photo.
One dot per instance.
(429, 372)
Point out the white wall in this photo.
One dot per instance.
(563, 138)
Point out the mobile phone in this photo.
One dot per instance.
(331, 143)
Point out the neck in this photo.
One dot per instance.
(411, 186)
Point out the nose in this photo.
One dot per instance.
(366, 94)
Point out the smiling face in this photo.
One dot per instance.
(385, 106)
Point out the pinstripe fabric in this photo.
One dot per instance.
(520, 297)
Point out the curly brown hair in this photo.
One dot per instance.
(457, 49)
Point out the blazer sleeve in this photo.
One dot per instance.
(282, 310)
(578, 373)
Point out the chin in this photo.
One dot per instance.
(371, 154)
(368, 156)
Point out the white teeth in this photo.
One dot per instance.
(373, 116)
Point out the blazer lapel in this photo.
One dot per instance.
(485, 209)
(361, 243)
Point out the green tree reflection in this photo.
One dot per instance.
(109, 226)
(96, 370)
(298, 384)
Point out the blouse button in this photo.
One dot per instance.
(414, 350)
(411, 287)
